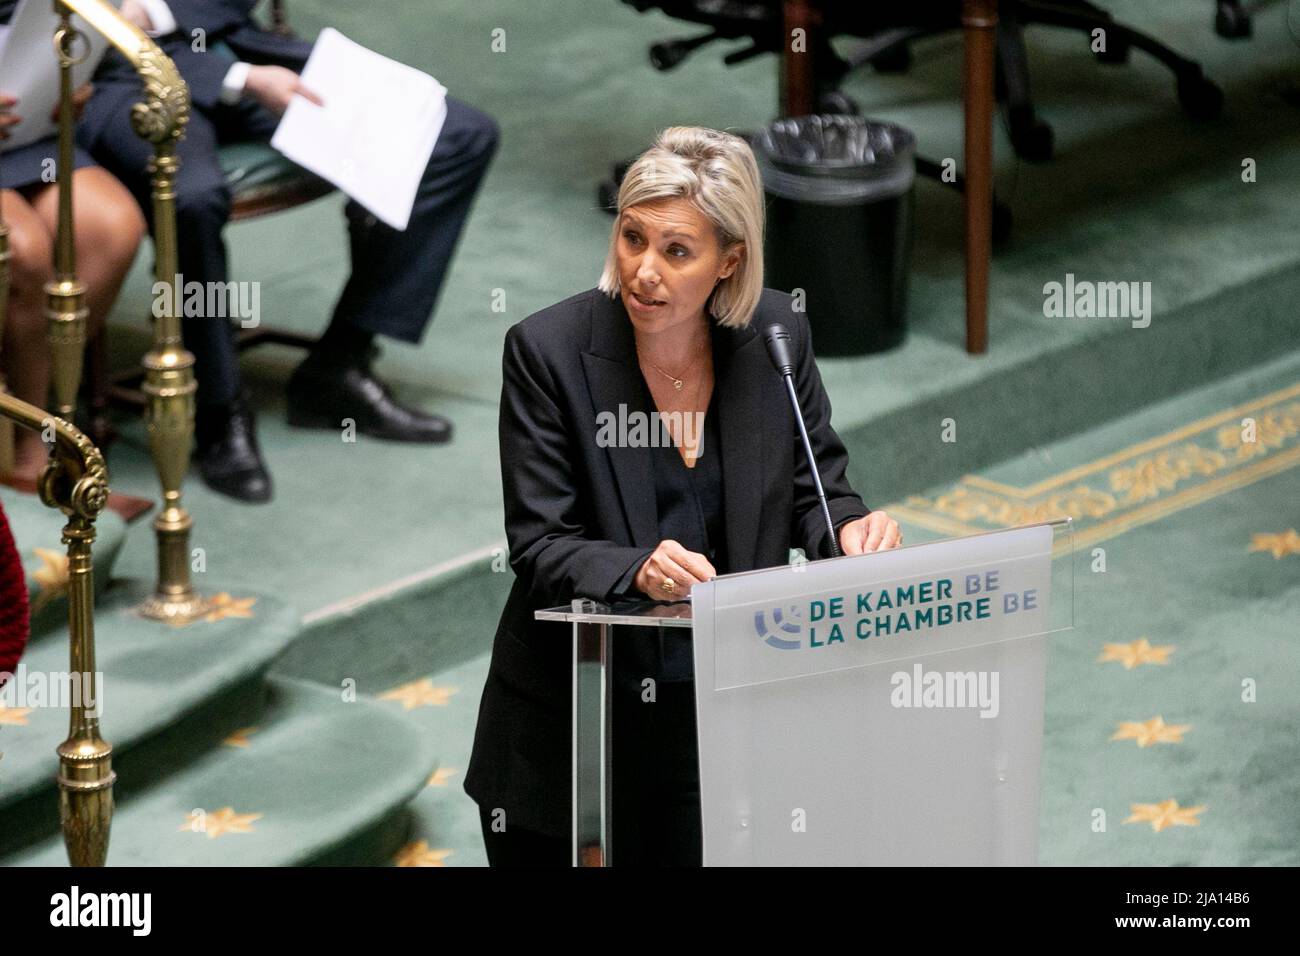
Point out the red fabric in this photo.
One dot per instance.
(15, 625)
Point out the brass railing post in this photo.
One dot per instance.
(76, 482)
(65, 297)
(160, 119)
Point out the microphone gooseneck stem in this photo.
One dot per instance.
(812, 466)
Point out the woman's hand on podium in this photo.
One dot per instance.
(671, 572)
(876, 532)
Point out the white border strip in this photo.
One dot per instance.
(349, 605)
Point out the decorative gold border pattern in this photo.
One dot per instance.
(1131, 487)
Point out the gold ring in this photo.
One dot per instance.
(669, 585)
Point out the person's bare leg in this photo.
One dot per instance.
(26, 335)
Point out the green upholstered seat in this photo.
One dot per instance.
(262, 180)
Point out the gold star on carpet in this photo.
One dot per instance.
(1279, 545)
(420, 693)
(419, 854)
(14, 716)
(224, 606)
(440, 777)
(52, 576)
(1138, 652)
(222, 821)
(1165, 814)
(240, 737)
(1153, 731)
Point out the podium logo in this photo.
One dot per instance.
(782, 628)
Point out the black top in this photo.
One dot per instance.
(689, 503)
(690, 512)
(690, 499)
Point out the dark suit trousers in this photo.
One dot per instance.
(656, 781)
(396, 276)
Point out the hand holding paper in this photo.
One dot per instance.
(276, 86)
(376, 130)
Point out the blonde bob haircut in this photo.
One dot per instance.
(716, 171)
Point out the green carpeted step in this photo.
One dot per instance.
(35, 527)
(445, 617)
(168, 688)
(444, 816)
(317, 773)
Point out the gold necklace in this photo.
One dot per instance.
(677, 380)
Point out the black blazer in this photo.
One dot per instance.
(579, 515)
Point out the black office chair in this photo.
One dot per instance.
(888, 36)
(761, 23)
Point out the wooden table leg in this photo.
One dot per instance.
(798, 77)
(979, 20)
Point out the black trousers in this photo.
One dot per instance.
(656, 785)
(396, 276)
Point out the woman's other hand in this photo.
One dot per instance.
(876, 532)
(673, 564)
(8, 119)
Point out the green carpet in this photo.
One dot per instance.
(38, 531)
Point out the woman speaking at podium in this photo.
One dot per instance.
(668, 345)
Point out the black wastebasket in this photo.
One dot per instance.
(839, 225)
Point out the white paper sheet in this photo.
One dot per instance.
(29, 69)
(374, 135)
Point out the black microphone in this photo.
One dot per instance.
(778, 348)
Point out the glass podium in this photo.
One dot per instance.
(876, 709)
(594, 627)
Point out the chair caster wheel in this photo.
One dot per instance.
(897, 59)
(1232, 23)
(1002, 222)
(1115, 52)
(1201, 98)
(1032, 139)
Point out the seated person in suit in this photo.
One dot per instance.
(107, 229)
(395, 275)
(673, 335)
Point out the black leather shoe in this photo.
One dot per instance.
(227, 452)
(323, 392)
